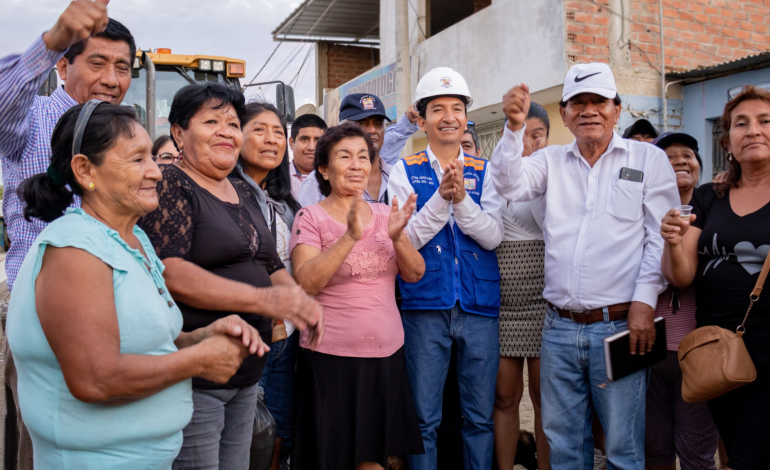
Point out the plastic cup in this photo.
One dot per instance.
(684, 212)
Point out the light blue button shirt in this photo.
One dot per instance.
(68, 433)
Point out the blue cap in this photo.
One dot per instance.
(359, 106)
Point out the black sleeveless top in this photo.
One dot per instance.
(229, 240)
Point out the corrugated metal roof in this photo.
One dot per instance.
(756, 61)
(342, 21)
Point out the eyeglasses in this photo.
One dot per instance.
(735, 91)
(165, 158)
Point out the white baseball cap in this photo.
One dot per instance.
(589, 78)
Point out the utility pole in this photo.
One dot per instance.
(663, 71)
(403, 65)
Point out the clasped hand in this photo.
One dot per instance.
(452, 187)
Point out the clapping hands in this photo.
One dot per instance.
(398, 218)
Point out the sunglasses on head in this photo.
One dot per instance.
(735, 91)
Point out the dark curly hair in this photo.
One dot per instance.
(326, 143)
(749, 93)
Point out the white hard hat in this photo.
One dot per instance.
(442, 81)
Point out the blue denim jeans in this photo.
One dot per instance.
(573, 383)
(278, 382)
(428, 338)
(218, 436)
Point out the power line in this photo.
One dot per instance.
(303, 78)
(296, 18)
(304, 39)
(266, 62)
(301, 65)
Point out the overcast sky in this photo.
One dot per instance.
(234, 28)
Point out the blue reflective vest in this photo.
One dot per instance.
(456, 267)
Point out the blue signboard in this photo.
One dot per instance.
(380, 82)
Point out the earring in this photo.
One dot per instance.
(730, 157)
(91, 185)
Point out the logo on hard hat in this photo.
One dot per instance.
(446, 82)
(367, 102)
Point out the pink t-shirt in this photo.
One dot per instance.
(359, 301)
(677, 307)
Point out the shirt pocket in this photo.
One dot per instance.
(625, 200)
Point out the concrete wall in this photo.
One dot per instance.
(490, 51)
(704, 103)
(650, 108)
(506, 43)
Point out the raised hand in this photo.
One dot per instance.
(355, 227)
(448, 186)
(412, 114)
(458, 167)
(398, 219)
(81, 20)
(673, 228)
(516, 106)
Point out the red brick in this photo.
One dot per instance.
(574, 27)
(743, 34)
(584, 39)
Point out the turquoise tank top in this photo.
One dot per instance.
(68, 433)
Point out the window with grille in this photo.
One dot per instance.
(489, 135)
(719, 161)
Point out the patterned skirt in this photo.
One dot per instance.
(522, 307)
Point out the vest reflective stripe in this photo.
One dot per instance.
(456, 267)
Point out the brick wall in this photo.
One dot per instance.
(347, 62)
(697, 32)
(588, 31)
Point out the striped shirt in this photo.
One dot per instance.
(296, 179)
(26, 124)
(677, 307)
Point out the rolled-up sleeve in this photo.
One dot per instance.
(660, 195)
(20, 77)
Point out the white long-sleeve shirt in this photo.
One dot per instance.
(522, 221)
(483, 224)
(602, 240)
